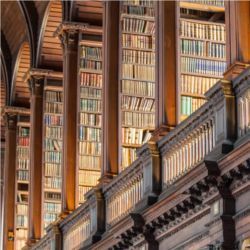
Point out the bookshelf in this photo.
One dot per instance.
(202, 51)
(52, 151)
(89, 146)
(22, 181)
(137, 76)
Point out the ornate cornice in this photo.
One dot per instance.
(16, 110)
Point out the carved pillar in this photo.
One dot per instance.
(69, 38)
(110, 90)
(166, 59)
(9, 181)
(36, 149)
(237, 15)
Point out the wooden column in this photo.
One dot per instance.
(237, 16)
(9, 181)
(166, 62)
(110, 164)
(69, 38)
(36, 149)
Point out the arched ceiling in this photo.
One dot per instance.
(50, 53)
(20, 93)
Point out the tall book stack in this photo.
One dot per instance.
(90, 113)
(202, 50)
(52, 156)
(22, 183)
(137, 89)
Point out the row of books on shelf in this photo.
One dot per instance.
(52, 169)
(22, 209)
(52, 207)
(22, 197)
(146, 3)
(90, 64)
(52, 144)
(138, 72)
(135, 136)
(201, 66)
(203, 48)
(53, 96)
(219, 3)
(138, 25)
(128, 156)
(48, 218)
(90, 119)
(82, 191)
(90, 134)
(138, 56)
(53, 132)
(199, 30)
(52, 182)
(138, 42)
(91, 79)
(22, 175)
(23, 141)
(138, 10)
(144, 120)
(137, 103)
(53, 157)
(196, 84)
(21, 221)
(190, 104)
(21, 233)
(52, 196)
(89, 162)
(88, 178)
(146, 89)
(90, 92)
(23, 163)
(91, 52)
(51, 107)
(23, 152)
(53, 120)
(90, 147)
(23, 132)
(88, 105)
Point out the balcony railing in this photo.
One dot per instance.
(124, 193)
(209, 133)
(242, 89)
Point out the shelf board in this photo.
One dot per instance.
(200, 74)
(91, 87)
(91, 59)
(137, 111)
(54, 114)
(204, 57)
(201, 21)
(138, 49)
(141, 17)
(94, 71)
(137, 80)
(94, 155)
(89, 169)
(90, 112)
(89, 126)
(127, 145)
(193, 95)
(57, 102)
(91, 98)
(138, 95)
(139, 127)
(90, 43)
(201, 39)
(202, 7)
(138, 5)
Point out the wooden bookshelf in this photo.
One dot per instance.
(202, 51)
(90, 105)
(22, 181)
(137, 77)
(52, 151)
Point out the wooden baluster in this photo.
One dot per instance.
(206, 139)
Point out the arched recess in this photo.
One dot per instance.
(20, 92)
(49, 50)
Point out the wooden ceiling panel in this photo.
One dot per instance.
(51, 50)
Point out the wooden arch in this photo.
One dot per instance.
(20, 92)
(49, 49)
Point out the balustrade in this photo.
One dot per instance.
(124, 193)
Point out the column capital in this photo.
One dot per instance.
(10, 120)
